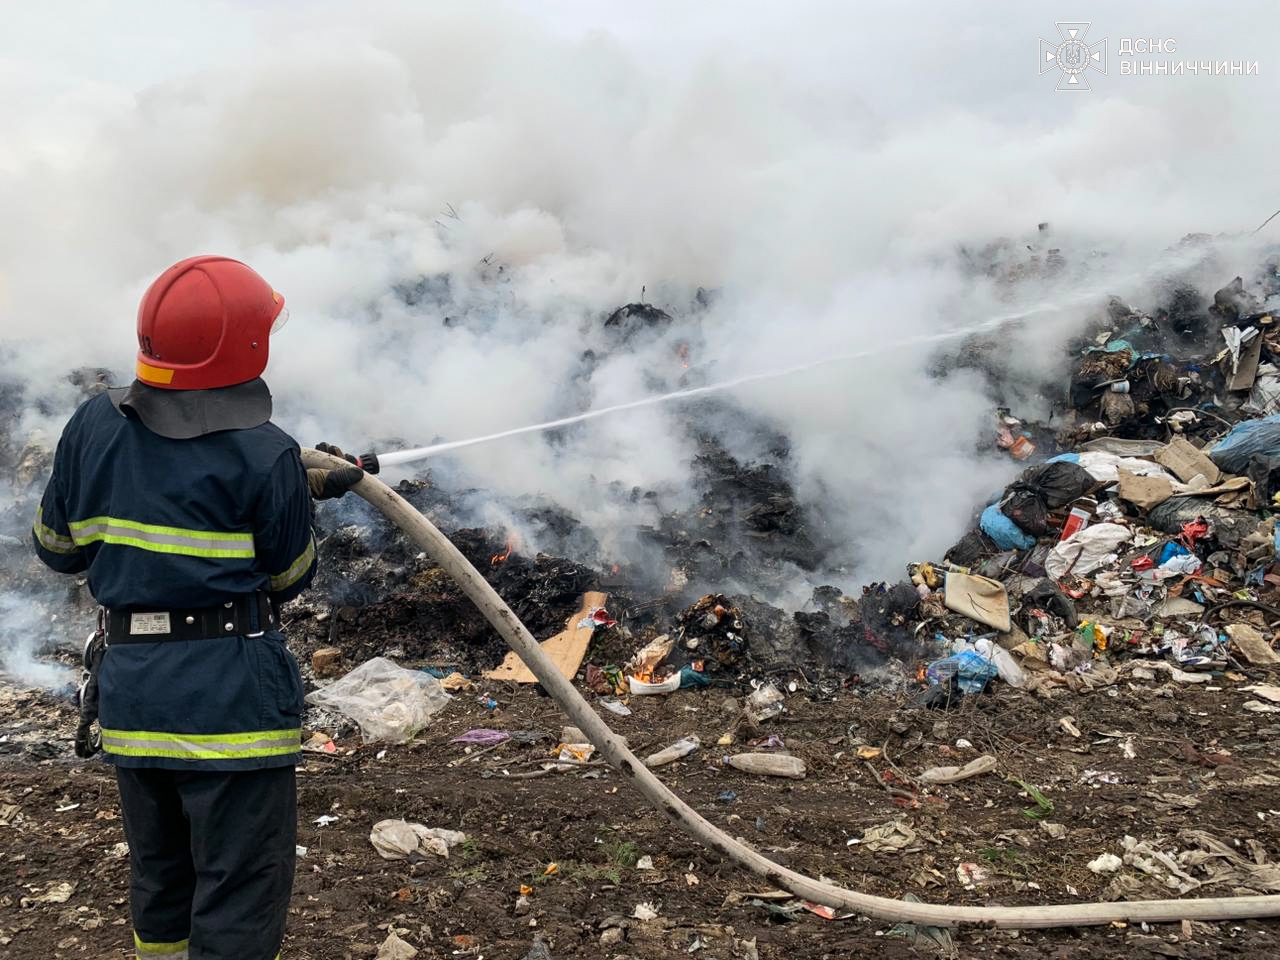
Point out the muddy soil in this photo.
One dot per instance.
(1199, 760)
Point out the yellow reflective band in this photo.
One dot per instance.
(152, 374)
(49, 539)
(202, 746)
(297, 570)
(158, 539)
(176, 950)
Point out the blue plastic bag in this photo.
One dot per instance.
(971, 669)
(1006, 534)
(1233, 451)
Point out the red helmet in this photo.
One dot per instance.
(206, 322)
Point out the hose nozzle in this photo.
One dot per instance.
(368, 462)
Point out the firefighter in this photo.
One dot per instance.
(190, 513)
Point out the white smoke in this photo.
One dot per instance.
(818, 164)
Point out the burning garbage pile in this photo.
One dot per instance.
(1139, 531)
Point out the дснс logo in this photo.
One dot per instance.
(1073, 56)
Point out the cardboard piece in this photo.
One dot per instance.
(978, 598)
(1252, 644)
(1144, 492)
(567, 648)
(1247, 368)
(1186, 462)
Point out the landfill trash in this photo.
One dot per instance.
(1267, 691)
(388, 701)
(825, 912)
(970, 669)
(1144, 492)
(869, 753)
(645, 863)
(768, 764)
(1006, 534)
(1087, 550)
(393, 948)
(399, 839)
(539, 950)
(1251, 644)
(917, 935)
(571, 755)
(1257, 706)
(616, 706)
(974, 768)
(482, 737)
(645, 911)
(56, 893)
(1055, 831)
(319, 743)
(1186, 462)
(326, 661)
(1068, 725)
(1006, 666)
(687, 676)
(978, 598)
(765, 702)
(892, 837)
(645, 661)
(1028, 500)
(681, 748)
(325, 819)
(1245, 440)
(1107, 863)
(972, 874)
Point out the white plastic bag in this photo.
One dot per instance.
(399, 839)
(1086, 550)
(1010, 672)
(388, 701)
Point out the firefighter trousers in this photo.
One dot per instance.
(211, 859)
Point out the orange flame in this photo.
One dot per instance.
(682, 351)
(498, 558)
(615, 569)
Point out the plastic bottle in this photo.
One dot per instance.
(681, 748)
(769, 764)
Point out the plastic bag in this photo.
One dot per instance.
(1106, 467)
(399, 839)
(1006, 534)
(1086, 550)
(388, 701)
(1028, 500)
(1008, 668)
(765, 702)
(971, 669)
(1233, 451)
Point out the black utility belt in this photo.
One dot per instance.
(247, 616)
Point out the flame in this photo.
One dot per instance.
(682, 351)
(498, 558)
(615, 569)
(921, 674)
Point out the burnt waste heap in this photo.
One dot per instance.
(1122, 455)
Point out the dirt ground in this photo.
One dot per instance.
(577, 838)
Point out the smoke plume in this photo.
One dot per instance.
(453, 198)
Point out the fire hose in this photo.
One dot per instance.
(438, 547)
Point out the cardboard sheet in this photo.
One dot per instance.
(567, 648)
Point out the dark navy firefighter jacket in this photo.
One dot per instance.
(161, 524)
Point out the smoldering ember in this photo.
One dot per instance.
(1076, 703)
